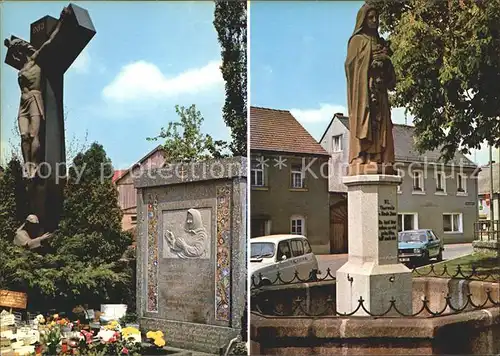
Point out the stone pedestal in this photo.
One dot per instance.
(373, 271)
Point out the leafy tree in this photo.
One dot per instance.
(13, 201)
(184, 141)
(447, 60)
(231, 24)
(83, 264)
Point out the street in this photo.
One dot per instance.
(334, 262)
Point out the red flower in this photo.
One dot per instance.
(88, 335)
(125, 351)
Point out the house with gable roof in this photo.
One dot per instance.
(433, 195)
(124, 181)
(289, 179)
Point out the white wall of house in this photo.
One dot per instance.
(337, 164)
(449, 212)
(430, 208)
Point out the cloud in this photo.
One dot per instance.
(82, 63)
(143, 80)
(324, 113)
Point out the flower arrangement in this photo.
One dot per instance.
(59, 336)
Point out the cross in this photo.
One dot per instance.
(54, 58)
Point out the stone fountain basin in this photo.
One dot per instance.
(474, 332)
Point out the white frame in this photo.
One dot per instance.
(460, 223)
(254, 171)
(463, 178)
(292, 179)
(303, 224)
(399, 173)
(337, 148)
(443, 182)
(421, 181)
(415, 220)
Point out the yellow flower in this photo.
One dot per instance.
(111, 325)
(130, 331)
(160, 342)
(52, 323)
(55, 316)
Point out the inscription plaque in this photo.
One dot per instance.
(387, 221)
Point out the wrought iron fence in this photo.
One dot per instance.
(487, 230)
(263, 281)
(260, 280)
(263, 305)
(298, 310)
(475, 273)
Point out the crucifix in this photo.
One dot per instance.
(54, 45)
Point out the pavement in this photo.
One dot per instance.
(334, 262)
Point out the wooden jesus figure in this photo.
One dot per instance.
(370, 75)
(31, 108)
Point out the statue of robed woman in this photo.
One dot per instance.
(370, 75)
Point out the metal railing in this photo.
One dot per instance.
(261, 303)
(298, 310)
(261, 281)
(487, 230)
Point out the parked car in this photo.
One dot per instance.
(281, 253)
(416, 246)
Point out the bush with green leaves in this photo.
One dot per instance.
(83, 263)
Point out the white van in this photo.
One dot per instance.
(281, 253)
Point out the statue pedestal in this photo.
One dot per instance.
(373, 271)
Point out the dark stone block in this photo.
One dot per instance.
(41, 29)
(76, 32)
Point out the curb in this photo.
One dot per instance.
(444, 261)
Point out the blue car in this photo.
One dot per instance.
(419, 246)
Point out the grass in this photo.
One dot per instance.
(477, 266)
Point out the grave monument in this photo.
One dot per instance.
(373, 271)
(191, 252)
(54, 45)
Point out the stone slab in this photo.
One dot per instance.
(490, 248)
(218, 169)
(191, 336)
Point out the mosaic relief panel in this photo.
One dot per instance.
(223, 268)
(152, 251)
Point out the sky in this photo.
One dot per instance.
(297, 54)
(145, 58)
